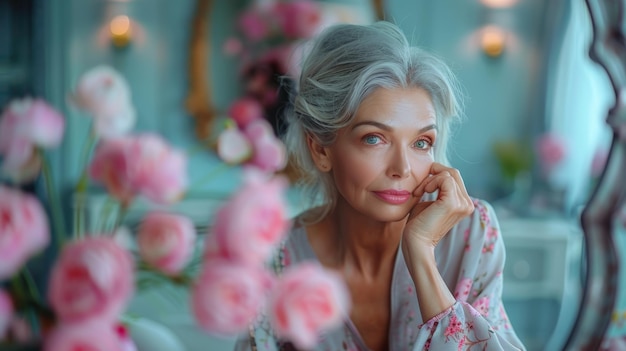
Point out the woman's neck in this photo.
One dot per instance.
(351, 242)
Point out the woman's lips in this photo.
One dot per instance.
(394, 197)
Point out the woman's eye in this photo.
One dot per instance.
(371, 139)
(423, 144)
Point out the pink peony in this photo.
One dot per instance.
(244, 111)
(93, 278)
(233, 147)
(6, 312)
(166, 241)
(104, 93)
(23, 230)
(160, 172)
(227, 296)
(95, 335)
(552, 150)
(306, 301)
(269, 152)
(299, 18)
(253, 221)
(144, 164)
(254, 25)
(24, 125)
(112, 165)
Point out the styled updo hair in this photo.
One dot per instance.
(344, 65)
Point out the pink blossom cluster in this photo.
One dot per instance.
(251, 140)
(27, 125)
(236, 287)
(552, 150)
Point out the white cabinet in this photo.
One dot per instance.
(542, 278)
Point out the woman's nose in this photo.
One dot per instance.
(399, 165)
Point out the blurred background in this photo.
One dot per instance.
(533, 141)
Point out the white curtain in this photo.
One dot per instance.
(581, 97)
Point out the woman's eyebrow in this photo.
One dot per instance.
(389, 128)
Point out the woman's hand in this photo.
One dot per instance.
(429, 221)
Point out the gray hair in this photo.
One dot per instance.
(344, 65)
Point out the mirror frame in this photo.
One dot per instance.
(608, 49)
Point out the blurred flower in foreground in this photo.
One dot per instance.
(25, 125)
(307, 300)
(104, 94)
(166, 241)
(24, 230)
(140, 165)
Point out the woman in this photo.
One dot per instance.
(422, 259)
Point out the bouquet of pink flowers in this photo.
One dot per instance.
(94, 275)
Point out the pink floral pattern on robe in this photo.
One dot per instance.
(470, 259)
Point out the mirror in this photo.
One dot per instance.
(523, 74)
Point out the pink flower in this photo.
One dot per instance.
(306, 301)
(92, 279)
(104, 93)
(227, 296)
(250, 225)
(253, 25)
(233, 146)
(244, 111)
(6, 312)
(269, 152)
(143, 164)
(166, 241)
(24, 125)
(95, 335)
(232, 46)
(23, 230)
(482, 305)
(299, 18)
(552, 150)
(160, 172)
(463, 289)
(127, 344)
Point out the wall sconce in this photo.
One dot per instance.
(120, 30)
(493, 40)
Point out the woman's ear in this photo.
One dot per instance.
(319, 154)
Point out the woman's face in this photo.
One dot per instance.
(386, 152)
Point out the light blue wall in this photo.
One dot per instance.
(504, 95)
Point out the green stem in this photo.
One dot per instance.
(83, 182)
(31, 286)
(121, 215)
(55, 205)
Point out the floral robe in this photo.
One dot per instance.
(470, 259)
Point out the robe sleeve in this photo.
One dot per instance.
(477, 320)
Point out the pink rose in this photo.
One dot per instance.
(104, 93)
(298, 18)
(306, 301)
(244, 111)
(233, 147)
(112, 164)
(160, 173)
(93, 278)
(269, 152)
(6, 312)
(253, 25)
(227, 296)
(24, 125)
(142, 164)
(23, 230)
(253, 221)
(95, 335)
(166, 241)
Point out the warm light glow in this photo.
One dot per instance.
(498, 3)
(120, 30)
(492, 40)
